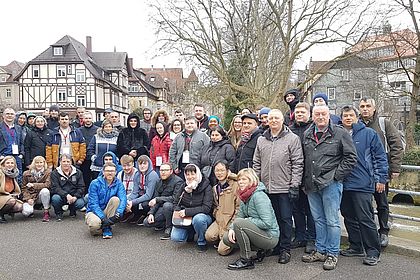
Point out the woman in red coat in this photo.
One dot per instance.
(159, 147)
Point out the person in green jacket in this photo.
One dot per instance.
(255, 226)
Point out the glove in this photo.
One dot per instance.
(294, 193)
(115, 219)
(106, 222)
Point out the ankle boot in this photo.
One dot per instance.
(242, 263)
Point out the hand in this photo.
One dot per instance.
(395, 175)
(31, 202)
(231, 235)
(79, 162)
(69, 199)
(176, 171)
(151, 219)
(133, 153)
(29, 185)
(294, 193)
(129, 205)
(380, 187)
(182, 213)
(152, 202)
(106, 222)
(115, 219)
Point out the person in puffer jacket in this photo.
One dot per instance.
(160, 145)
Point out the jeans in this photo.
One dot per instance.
(163, 216)
(57, 202)
(283, 211)
(325, 205)
(200, 223)
(304, 223)
(383, 210)
(357, 210)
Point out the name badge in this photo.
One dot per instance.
(15, 149)
(186, 157)
(66, 150)
(158, 161)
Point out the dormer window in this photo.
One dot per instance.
(58, 50)
(152, 79)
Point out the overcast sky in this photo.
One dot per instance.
(28, 27)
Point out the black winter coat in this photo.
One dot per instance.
(88, 133)
(198, 201)
(245, 152)
(165, 191)
(35, 143)
(133, 139)
(62, 185)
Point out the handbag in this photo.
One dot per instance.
(179, 221)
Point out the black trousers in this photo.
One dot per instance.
(357, 210)
(383, 210)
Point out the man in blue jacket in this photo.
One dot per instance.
(107, 202)
(370, 173)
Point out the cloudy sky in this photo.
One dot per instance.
(29, 27)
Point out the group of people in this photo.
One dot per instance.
(240, 188)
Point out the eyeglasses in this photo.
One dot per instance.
(109, 171)
(165, 170)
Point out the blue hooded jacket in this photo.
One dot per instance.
(372, 163)
(144, 192)
(100, 194)
(114, 160)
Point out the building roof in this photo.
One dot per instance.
(13, 69)
(319, 67)
(110, 60)
(172, 76)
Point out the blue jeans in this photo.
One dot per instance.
(200, 223)
(57, 202)
(325, 205)
(283, 211)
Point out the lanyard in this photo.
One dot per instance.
(127, 182)
(65, 135)
(316, 136)
(142, 181)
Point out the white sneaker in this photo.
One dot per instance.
(65, 208)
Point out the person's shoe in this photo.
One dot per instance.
(241, 264)
(107, 233)
(259, 257)
(166, 234)
(2, 219)
(46, 216)
(73, 214)
(202, 248)
(330, 263)
(59, 217)
(297, 243)
(127, 217)
(314, 257)
(65, 208)
(372, 260)
(284, 257)
(83, 209)
(159, 228)
(384, 240)
(349, 252)
(310, 246)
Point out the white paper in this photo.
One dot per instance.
(15, 149)
(66, 150)
(158, 161)
(186, 157)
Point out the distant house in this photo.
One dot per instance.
(9, 88)
(344, 81)
(71, 75)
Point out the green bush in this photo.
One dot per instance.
(412, 157)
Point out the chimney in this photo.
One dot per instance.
(130, 66)
(152, 67)
(89, 45)
(164, 67)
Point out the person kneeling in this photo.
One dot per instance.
(107, 202)
(255, 226)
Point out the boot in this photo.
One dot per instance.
(242, 263)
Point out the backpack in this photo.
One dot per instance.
(401, 133)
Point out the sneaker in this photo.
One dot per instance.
(59, 217)
(330, 263)
(349, 252)
(372, 260)
(65, 208)
(202, 248)
(297, 243)
(2, 219)
(107, 233)
(166, 234)
(310, 246)
(46, 216)
(83, 209)
(241, 264)
(159, 228)
(314, 257)
(384, 240)
(73, 214)
(284, 257)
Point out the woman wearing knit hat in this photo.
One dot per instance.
(36, 140)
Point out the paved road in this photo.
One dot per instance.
(30, 249)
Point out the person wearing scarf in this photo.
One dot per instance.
(36, 186)
(9, 188)
(255, 225)
(214, 121)
(193, 200)
(226, 206)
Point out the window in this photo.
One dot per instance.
(61, 94)
(116, 100)
(3, 79)
(133, 88)
(80, 76)
(357, 94)
(8, 93)
(61, 70)
(152, 79)
(69, 69)
(345, 75)
(398, 85)
(35, 71)
(81, 101)
(331, 93)
(58, 50)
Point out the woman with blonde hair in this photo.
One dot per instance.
(9, 188)
(255, 226)
(36, 186)
(234, 132)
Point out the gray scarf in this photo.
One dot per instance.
(11, 173)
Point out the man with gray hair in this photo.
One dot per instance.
(278, 162)
(329, 157)
(391, 140)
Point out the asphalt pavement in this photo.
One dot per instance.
(30, 249)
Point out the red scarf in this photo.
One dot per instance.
(245, 194)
